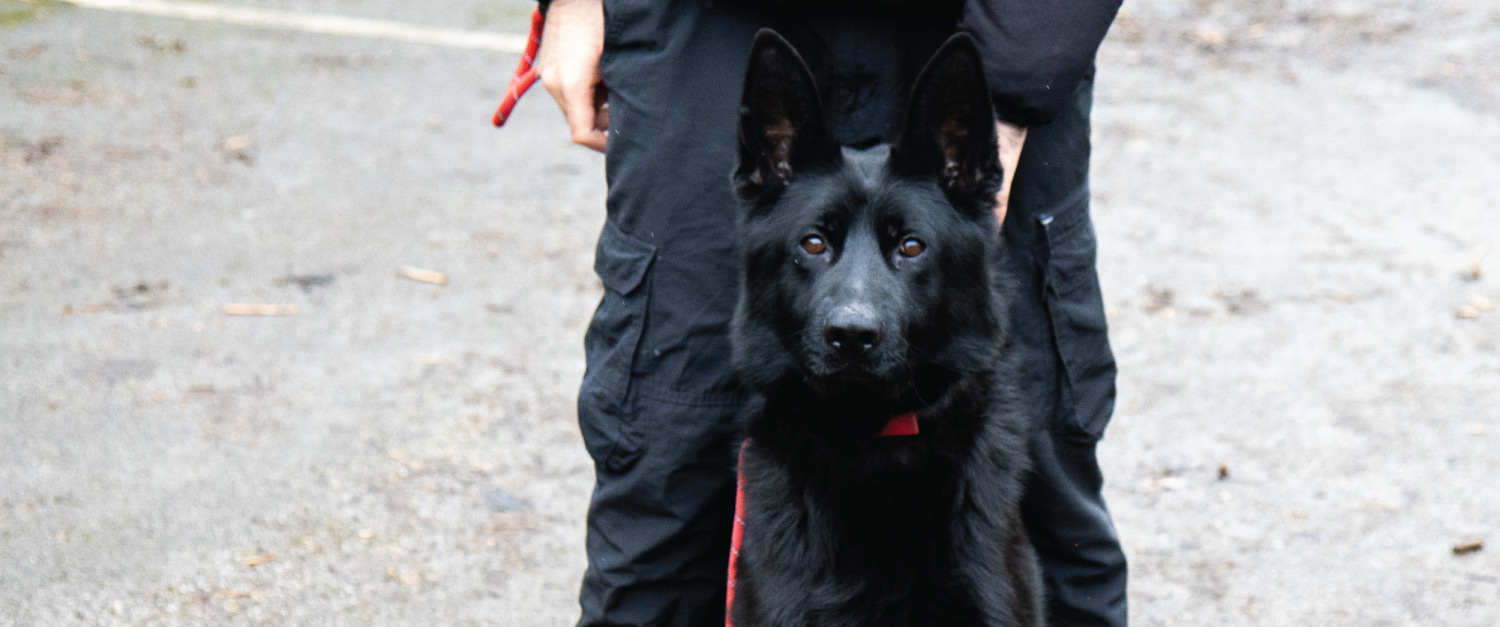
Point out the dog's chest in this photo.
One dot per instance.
(870, 547)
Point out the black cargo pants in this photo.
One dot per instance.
(658, 405)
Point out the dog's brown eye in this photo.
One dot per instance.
(911, 247)
(814, 245)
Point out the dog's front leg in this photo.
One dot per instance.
(780, 566)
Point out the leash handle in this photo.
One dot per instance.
(526, 71)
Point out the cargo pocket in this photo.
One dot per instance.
(623, 264)
(1075, 306)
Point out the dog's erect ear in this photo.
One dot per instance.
(950, 127)
(782, 131)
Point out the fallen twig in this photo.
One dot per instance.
(1472, 546)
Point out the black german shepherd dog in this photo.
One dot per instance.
(870, 290)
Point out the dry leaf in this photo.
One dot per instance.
(1476, 269)
(256, 560)
(238, 143)
(93, 308)
(1467, 312)
(1171, 483)
(398, 455)
(1211, 35)
(426, 276)
(252, 309)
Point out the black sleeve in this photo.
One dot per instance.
(1036, 51)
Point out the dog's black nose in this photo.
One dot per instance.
(852, 333)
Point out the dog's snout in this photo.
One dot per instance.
(852, 330)
(851, 340)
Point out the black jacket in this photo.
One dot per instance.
(1037, 51)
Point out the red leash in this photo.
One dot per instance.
(526, 72)
(903, 424)
(736, 536)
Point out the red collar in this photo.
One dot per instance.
(901, 424)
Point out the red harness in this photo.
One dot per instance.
(901, 424)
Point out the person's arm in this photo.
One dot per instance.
(572, 41)
(1036, 51)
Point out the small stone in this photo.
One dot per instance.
(504, 502)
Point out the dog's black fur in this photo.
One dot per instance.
(842, 526)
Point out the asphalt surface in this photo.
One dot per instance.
(1296, 201)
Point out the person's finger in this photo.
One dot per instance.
(1011, 139)
(578, 107)
(601, 118)
(565, 90)
(1002, 198)
(601, 107)
(550, 82)
(594, 139)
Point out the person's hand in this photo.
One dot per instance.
(572, 40)
(1012, 138)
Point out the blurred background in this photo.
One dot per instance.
(1299, 224)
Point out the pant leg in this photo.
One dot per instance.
(658, 401)
(1058, 327)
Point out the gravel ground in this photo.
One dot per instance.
(1294, 200)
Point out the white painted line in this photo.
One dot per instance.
(315, 23)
